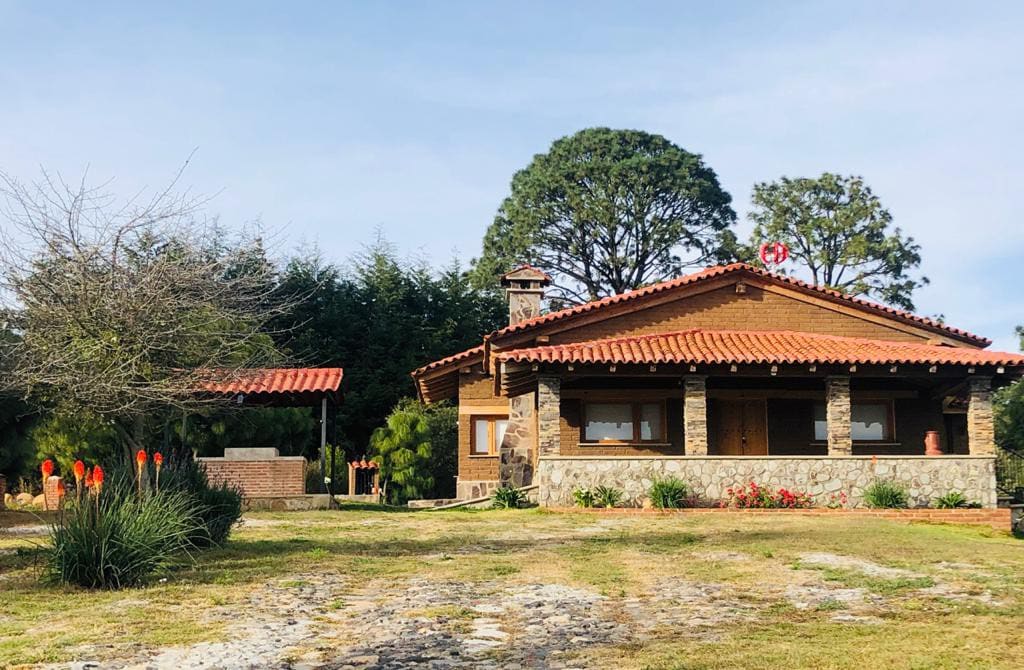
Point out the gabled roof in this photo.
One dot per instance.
(526, 271)
(734, 269)
(276, 380)
(462, 356)
(718, 347)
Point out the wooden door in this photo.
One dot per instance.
(741, 428)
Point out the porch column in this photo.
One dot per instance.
(837, 416)
(981, 439)
(695, 416)
(549, 400)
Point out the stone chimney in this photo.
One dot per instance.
(524, 288)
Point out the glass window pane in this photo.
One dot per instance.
(480, 436)
(820, 425)
(650, 421)
(500, 426)
(607, 421)
(869, 422)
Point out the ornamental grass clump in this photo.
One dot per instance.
(109, 537)
(607, 496)
(882, 494)
(670, 493)
(755, 496)
(954, 500)
(583, 497)
(508, 497)
(137, 520)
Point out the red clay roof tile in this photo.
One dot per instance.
(721, 270)
(756, 347)
(454, 358)
(279, 380)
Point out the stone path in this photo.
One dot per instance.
(331, 622)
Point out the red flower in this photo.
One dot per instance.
(60, 488)
(79, 471)
(158, 459)
(140, 457)
(88, 480)
(97, 477)
(46, 468)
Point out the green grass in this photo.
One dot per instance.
(615, 556)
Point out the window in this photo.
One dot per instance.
(624, 422)
(869, 422)
(487, 436)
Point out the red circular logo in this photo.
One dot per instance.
(774, 253)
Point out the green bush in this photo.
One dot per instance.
(954, 500)
(669, 493)
(583, 497)
(115, 540)
(607, 496)
(882, 494)
(218, 507)
(508, 497)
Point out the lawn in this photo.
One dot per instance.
(366, 587)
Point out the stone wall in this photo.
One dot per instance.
(925, 478)
(472, 489)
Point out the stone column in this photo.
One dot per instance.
(837, 416)
(981, 439)
(549, 403)
(515, 463)
(695, 416)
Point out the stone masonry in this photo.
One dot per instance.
(695, 416)
(925, 478)
(981, 437)
(548, 414)
(515, 466)
(837, 416)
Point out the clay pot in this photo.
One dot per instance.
(931, 443)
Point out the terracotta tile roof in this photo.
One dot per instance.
(454, 358)
(278, 380)
(526, 267)
(721, 270)
(756, 347)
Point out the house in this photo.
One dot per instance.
(729, 375)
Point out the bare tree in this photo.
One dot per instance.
(124, 309)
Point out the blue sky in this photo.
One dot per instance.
(328, 120)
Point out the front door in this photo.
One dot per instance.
(741, 427)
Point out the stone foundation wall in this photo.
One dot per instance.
(925, 478)
(468, 490)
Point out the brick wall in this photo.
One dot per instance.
(1000, 519)
(723, 309)
(265, 478)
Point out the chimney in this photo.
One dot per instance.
(524, 288)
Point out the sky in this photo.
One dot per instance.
(327, 122)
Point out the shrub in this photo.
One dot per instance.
(583, 497)
(669, 493)
(508, 497)
(954, 500)
(607, 496)
(754, 496)
(218, 507)
(882, 494)
(113, 540)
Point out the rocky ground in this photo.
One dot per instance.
(329, 621)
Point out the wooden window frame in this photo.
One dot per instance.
(635, 406)
(890, 423)
(492, 447)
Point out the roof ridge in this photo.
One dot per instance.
(721, 270)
